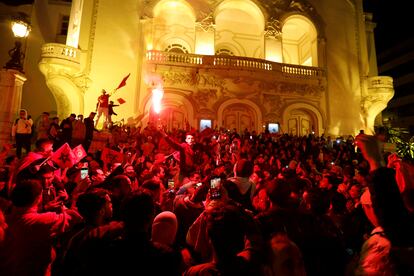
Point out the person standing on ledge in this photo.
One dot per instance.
(102, 107)
(22, 131)
(89, 129)
(111, 112)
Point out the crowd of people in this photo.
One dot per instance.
(214, 202)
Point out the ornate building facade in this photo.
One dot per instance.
(300, 66)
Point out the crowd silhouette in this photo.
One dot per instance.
(217, 202)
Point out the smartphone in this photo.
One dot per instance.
(170, 184)
(215, 188)
(84, 172)
(214, 183)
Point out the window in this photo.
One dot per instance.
(224, 52)
(205, 124)
(273, 127)
(64, 25)
(176, 48)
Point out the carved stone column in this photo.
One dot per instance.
(205, 34)
(273, 41)
(11, 85)
(372, 54)
(380, 92)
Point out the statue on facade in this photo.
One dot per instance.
(16, 57)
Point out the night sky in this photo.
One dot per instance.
(394, 22)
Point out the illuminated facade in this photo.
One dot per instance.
(309, 66)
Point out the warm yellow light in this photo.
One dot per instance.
(204, 49)
(20, 29)
(157, 95)
(173, 4)
(274, 58)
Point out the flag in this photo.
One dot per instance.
(64, 157)
(110, 156)
(176, 155)
(120, 100)
(123, 82)
(79, 153)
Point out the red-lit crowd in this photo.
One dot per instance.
(211, 202)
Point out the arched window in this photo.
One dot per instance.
(240, 24)
(224, 52)
(299, 41)
(173, 23)
(176, 48)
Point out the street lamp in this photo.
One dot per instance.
(20, 30)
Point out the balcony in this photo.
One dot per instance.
(285, 71)
(61, 51)
(61, 66)
(60, 56)
(380, 82)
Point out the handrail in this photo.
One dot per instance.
(61, 51)
(247, 63)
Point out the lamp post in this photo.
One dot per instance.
(20, 30)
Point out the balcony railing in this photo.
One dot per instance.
(246, 63)
(61, 51)
(380, 82)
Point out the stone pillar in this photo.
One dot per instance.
(273, 41)
(11, 86)
(380, 92)
(205, 31)
(372, 54)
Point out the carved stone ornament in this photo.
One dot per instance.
(368, 101)
(203, 96)
(276, 8)
(206, 24)
(273, 103)
(171, 78)
(273, 28)
(239, 86)
(82, 82)
(272, 117)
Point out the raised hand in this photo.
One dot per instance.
(371, 150)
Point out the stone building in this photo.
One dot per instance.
(295, 66)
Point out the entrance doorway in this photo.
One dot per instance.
(239, 117)
(300, 123)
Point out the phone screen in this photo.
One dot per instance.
(84, 173)
(214, 183)
(215, 188)
(170, 184)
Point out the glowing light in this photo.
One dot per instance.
(274, 58)
(173, 4)
(157, 95)
(205, 49)
(20, 29)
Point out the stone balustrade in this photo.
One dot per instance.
(61, 51)
(380, 82)
(243, 63)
